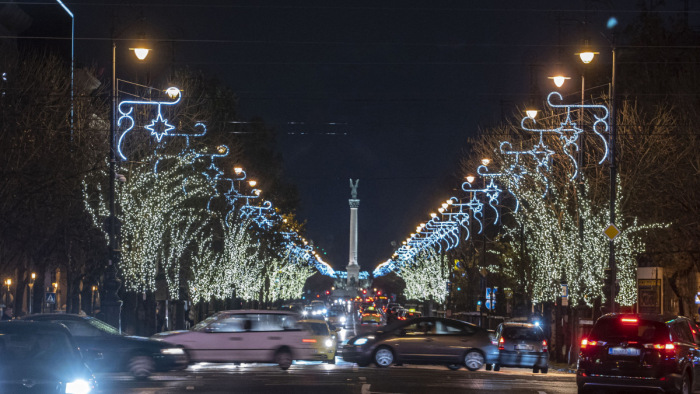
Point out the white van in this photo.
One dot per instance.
(245, 336)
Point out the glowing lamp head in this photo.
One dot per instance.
(173, 92)
(531, 113)
(238, 170)
(94, 288)
(587, 56)
(559, 80)
(485, 161)
(8, 282)
(433, 214)
(252, 183)
(221, 149)
(470, 178)
(33, 275)
(444, 205)
(450, 202)
(441, 209)
(140, 53)
(257, 192)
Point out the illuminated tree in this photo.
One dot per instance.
(426, 276)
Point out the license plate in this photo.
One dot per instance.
(523, 347)
(623, 351)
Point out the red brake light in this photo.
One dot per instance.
(661, 346)
(501, 342)
(585, 342)
(629, 320)
(544, 345)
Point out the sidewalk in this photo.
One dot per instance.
(562, 367)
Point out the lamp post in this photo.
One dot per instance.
(111, 304)
(8, 283)
(31, 291)
(587, 56)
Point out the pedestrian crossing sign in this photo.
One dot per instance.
(50, 298)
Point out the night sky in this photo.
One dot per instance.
(387, 92)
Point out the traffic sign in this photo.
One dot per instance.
(50, 298)
(611, 232)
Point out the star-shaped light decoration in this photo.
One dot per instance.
(159, 127)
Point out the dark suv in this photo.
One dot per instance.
(640, 351)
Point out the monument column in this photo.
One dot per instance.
(353, 269)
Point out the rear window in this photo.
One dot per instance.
(644, 331)
(522, 333)
(317, 328)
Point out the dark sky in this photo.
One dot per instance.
(387, 92)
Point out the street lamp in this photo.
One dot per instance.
(111, 302)
(587, 56)
(31, 291)
(8, 283)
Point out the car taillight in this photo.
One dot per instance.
(629, 320)
(585, 343)
(664, 346)
(308, 340)
(544, 345)
(501, 343)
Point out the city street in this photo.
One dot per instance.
(340, 379)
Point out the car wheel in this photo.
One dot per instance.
(685, 385)
(454, 367)
(535, 370)
(141, 367)
(383, 357)
(544, 370)
(473, 360)
(284, 359)
(496, 367)
(488, 367)
(332, 360)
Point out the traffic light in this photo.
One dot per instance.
(328, 292)
(364, 291)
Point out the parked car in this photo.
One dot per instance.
(245, 336)
(521, 345)
(41, 358)
(639, 351)
(106, 350)
(425, 340)
(324, 338)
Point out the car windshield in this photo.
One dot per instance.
(645, 331)
(104, 327)
(35, 346)
(522, 333)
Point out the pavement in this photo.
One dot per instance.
(562, 367)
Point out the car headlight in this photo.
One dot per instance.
(78, 386)
(342, 319)
(329, 343)
(172, 351)
(362, 340)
